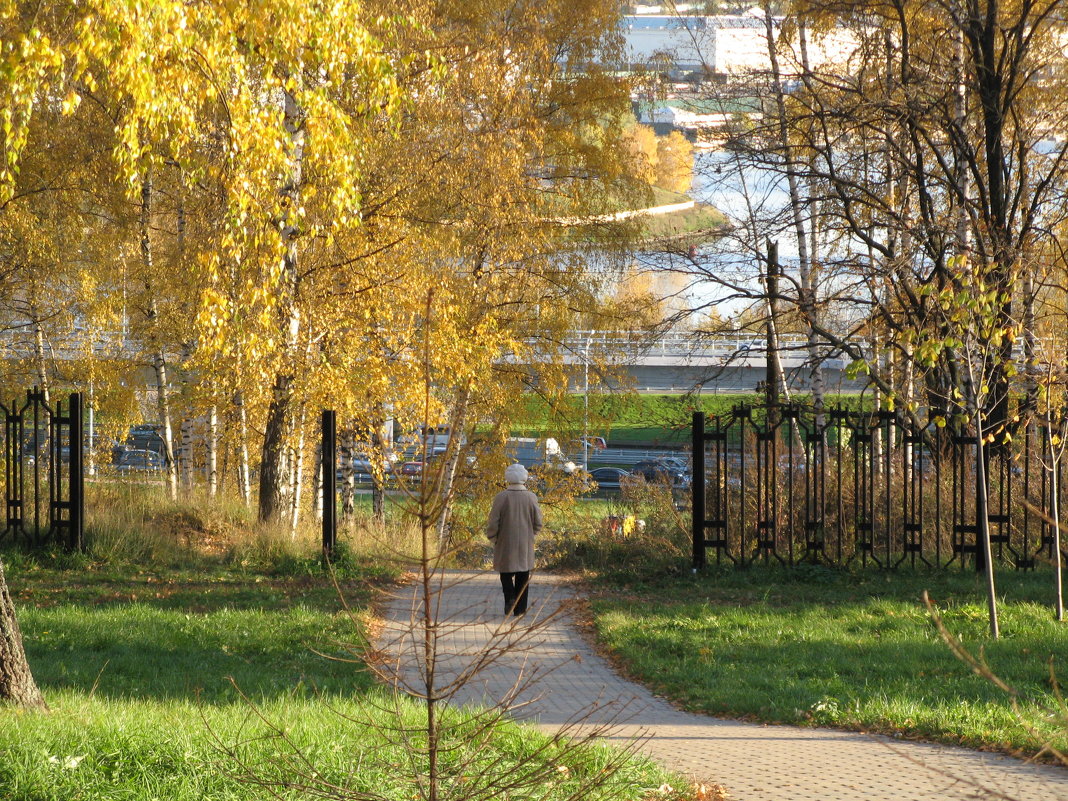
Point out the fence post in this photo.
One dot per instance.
(697, 488)
(329, 435)
(76, 475)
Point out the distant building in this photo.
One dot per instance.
(697, 117)
(682, 40)
(725, 45)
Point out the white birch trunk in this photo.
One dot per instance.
(908, 397)
(808, 273)
(984, 526)
(456, 425)
(893, 382)
(273, 479)
(318, 478)
(186, 429)
(90, 454)
(244, 472)
(382, 447)
(213, 450)
(790, 167)
(960, 111)
(297, 477)
(163, 411)
(159, 360)
(346, 453)
(1030, 343)
(1055, 453)
(39, 358)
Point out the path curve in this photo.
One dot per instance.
(754, 762)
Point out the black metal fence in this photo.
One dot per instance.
(866, 487)
(44, 477)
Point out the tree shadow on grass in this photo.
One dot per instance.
(822, 585)
(188, 644)
(179, 593)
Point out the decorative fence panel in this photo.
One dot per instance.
(44, 478)
(865, 487)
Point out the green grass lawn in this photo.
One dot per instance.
(144, 673)
(646, 419)
(849, 650)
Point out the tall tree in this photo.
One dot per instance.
(192, 85)
(16, 682)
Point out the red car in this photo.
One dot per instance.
(411, 468)
(415, 466)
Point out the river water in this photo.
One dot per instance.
(724, 273)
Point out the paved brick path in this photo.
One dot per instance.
(754, 762)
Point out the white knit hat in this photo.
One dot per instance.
(515, 474)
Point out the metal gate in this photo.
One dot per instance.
(864, 487)
(44, 478)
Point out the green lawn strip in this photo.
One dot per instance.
(144, 673)
(622, 434)
(98, 748)
(645, 419)
(855, 651)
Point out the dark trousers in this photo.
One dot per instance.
(515, 587)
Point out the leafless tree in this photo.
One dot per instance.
(925, 130)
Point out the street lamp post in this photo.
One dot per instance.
(586, 405)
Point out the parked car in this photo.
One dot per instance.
(662, 471)
(414, 452)
(29, 456)
(145, 437)
(416, 464)
(361, 471)
(680, 463)
(32, 445)
(531, 452)
(140, 460)
(608, 478)
(434, 437)
(594, 443)
(43, 448)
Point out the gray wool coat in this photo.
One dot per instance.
(514, 521)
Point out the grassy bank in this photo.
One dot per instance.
(849, 650)
(652, 419)
(698, 224)
(145, 671)
(695, 225)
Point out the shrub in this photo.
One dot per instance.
(616, 542)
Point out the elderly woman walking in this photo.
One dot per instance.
(514, 521)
